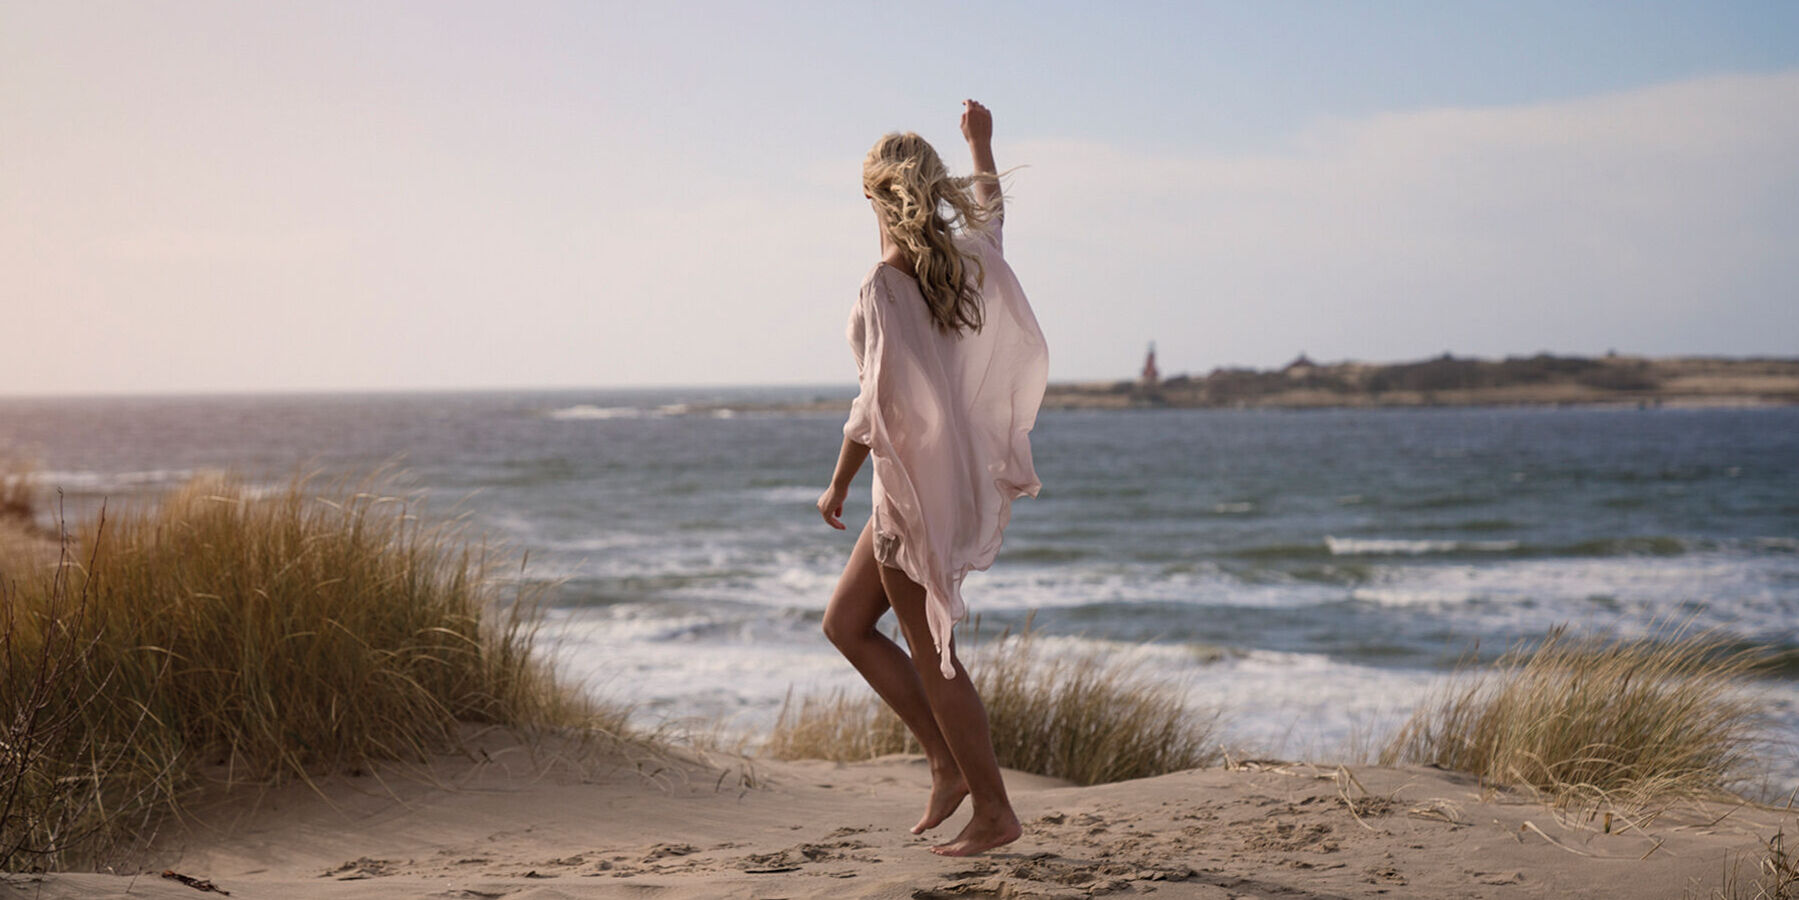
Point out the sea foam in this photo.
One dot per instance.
(1342, 546)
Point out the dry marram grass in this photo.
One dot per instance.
(17, 499)
(1077, 717)
(1773, 876)
(1622, 720)
(22, 539)
(274, 636)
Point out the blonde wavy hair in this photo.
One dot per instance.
(922, 206)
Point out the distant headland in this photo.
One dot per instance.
(1541, 380)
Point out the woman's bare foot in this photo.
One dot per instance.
(982, 833)
(947, 790)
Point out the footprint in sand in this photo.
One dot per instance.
(793, 858)
(664, 851)
(358, 869)
(1287, 836)
(1383, 875)
(1050, 875)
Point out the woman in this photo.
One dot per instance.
(952, 369)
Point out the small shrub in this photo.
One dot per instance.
(1620, 719)
(1082, 718)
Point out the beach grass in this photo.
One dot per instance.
(841, 726)
(1082, 717)
(22, 535)
(1597, 719)
(1773, 874)
(256, 637)
(18, 499)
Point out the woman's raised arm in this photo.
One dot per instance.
(977, 129)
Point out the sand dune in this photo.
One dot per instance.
(509, 822)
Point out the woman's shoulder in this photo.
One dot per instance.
(885, 278)
(871, 279)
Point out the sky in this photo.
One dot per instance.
(322, 196)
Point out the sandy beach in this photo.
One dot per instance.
(564, 821)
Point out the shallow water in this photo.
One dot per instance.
(1310, 572)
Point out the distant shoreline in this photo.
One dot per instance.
(1627, 382)
(1449, 381)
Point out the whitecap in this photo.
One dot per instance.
(1412, 596)
(89, 481)
(1717, 590)
(789, 493)
(589, 411)
(1342, 546)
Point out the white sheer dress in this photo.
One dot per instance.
(947, 419)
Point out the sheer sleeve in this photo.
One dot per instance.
(863, 337)
(988, 235)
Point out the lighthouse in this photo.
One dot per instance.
(1152, 376)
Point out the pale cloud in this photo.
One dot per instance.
(1658, 220)
(216, 247)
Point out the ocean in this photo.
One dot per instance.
(1310, 574)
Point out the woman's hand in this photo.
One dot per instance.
(977, 124)
(977, 127)
(849, 459)
(830, 505)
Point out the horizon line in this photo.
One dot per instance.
(290, 391)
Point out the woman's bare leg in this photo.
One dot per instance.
(856, 606)
(962, 721)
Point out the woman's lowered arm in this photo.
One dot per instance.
(849, 461)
